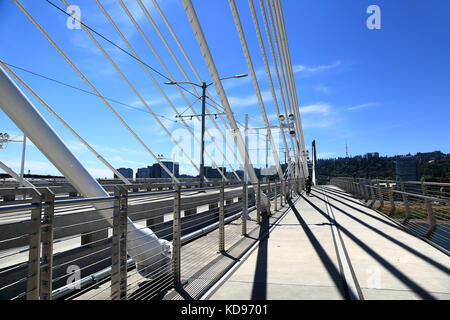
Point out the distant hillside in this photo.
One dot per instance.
(432, 166)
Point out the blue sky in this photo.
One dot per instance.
(381, 90)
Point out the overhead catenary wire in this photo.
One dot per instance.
(162, 64)
(166, 45)
(207, 57)
(171, 174)
(195, 73)
(32, 20)
(114, 44)
(66, 125)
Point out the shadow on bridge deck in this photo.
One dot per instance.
(301, 258)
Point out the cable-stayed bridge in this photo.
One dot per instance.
(206, 238)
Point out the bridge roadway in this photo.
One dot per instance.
(331, 246)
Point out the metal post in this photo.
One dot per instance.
(391, 201)
(372, 191)
(380, 196)
(276, 196)
(222, 218)
(47, 246)
(258, 202)
(22, 164)
(431, 218)
(406, 203)
(244, 207)
(34, 251)
(269, 194)
(123, 243)
(176, 242)
(202, 151)
(115, 254)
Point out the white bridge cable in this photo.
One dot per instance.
(197, 76)
(286, 81)
(275, 64)
(269, 77)
(155, 27)
(25, 12)
(137, 95)
(288, 97)
(288, 66)
(200, 37)
(154, 81)
(65, 124)
(255, 84)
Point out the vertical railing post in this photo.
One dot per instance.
(244, 208)
(405, 203)
(115, 252)
(222, 218)
(34, 251)
(380, 196)
(276, 196)
(258, 202)
(366, 191)
(176, 241)
(391, 200)
(283, 193)
(47, 246)
(123, 243)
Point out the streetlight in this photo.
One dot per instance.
(204, 86)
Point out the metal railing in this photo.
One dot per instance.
(421, 207)
(53, 251)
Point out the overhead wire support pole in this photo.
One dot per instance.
(193, 20)
(135, 92)
(188, 81)
(128, 13)
(25, 12)
(49, 109)
(255, 83)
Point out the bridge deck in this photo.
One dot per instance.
(299, 259)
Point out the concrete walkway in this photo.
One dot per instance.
(299, 259)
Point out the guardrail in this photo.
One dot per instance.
(421, 207)
(41, 256)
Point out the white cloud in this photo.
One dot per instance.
(299, 68)
(325, 155)
(323, 108)
(322, 88)
(362, 106)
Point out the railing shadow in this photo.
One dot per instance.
(397, 242)
(388, 266)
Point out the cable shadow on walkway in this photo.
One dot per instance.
(259, 290)
(393, 270)
(326, 260)
(373, 216)
(397, 242)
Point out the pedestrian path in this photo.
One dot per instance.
(330, 246)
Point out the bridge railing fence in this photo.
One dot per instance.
(421, 207)
(91, 261)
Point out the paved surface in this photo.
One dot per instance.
(299, 259)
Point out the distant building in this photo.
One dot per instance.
(214, 173)
(371, 155)
(126, 172)
(427, 156)
(406, 169)
(144, 173)
(159, 172)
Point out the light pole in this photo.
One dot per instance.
(202, 150)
